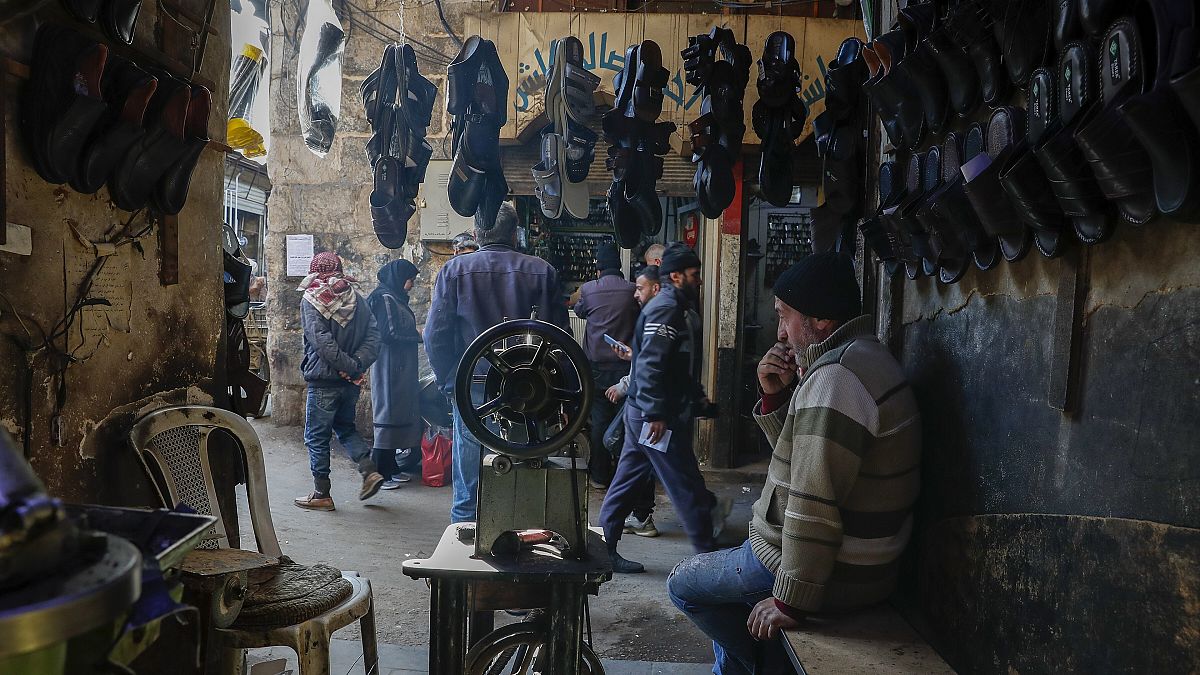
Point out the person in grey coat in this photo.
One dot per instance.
(340, 344)
(394, 383)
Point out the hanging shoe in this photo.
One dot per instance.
(171, 193)
(127, 91)
(981, 182)
(120, 19)
(133, 182)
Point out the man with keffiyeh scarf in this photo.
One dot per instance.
(340, 343)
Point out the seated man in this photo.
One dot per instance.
(835, 513)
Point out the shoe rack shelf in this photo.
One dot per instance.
(574, 255)
(789, 237)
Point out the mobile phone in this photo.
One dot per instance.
(613, 343)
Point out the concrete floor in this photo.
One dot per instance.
(632, 619)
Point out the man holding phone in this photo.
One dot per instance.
(608, 306)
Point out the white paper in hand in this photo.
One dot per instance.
(661, 445)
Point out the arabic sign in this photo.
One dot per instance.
(524, 40)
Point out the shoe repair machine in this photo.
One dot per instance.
(524, 390)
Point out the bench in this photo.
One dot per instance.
(875, 640)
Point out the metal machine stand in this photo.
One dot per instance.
(524, 390)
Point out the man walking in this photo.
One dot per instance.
(473, 293)
(340, 342)
(835, 513)
(664, 396)
(608, 305)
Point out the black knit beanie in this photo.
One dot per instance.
(677, 258)
(821, 285)
(608, 256)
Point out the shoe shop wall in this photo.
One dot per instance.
(151, 333)
(329, 197)
(1053, 541)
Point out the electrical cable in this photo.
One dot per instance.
(446, 24)
(398, 34)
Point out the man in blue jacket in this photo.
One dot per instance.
(341, 341)
(664, 399)
(607, 304)
(473, 293)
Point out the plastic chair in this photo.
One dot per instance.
(172, 444)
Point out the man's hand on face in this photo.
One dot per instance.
(657, 429)
(766, 620)
(614, 394)
(777, 369)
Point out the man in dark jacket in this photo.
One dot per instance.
(473, 293)
(341, 341)
(394, 386)
(608, 305)
(664, 397)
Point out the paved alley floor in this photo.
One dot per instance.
(632, 618)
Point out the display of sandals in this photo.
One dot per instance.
(778, 116)
(568, 146)
(638, 143)
(717, 133)
(399, 106)
(477, 100)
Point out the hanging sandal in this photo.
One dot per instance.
(547, 175)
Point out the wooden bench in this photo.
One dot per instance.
(876, 640)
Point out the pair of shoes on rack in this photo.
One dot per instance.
(399, 105)
(568, 146)
(477, 101)
(717, 133)
(118, 17)
(89, 118)
(778, 116)
(638, 142)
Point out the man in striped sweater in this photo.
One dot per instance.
(835, 513)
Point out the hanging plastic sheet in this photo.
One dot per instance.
(319, 91)
(248, 82)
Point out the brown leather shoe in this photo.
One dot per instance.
(370, 485)
(314, 503)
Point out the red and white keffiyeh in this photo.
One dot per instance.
(329, 290)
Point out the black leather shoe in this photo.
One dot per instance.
(1119, 162)
(844, 79)
(981, 177)
(127, 91)
(133, 182)
(1066, 23)
(1023, 31)
(890, 47)
(927, 78)
(956, 68)
(623, 566)
(171, 193)
(1096, 15)
(884, 95)
(970, 28)
(120, 19)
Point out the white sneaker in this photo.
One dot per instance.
(720, 512)
(641, 528)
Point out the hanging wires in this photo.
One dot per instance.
(446, 24)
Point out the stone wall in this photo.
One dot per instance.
(329, 197)
(172, 351)
(1050, 541)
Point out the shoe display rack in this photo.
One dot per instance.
(789, 238)
(574, 255)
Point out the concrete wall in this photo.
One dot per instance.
(171, 352)
(329, 197)
(1049, 541)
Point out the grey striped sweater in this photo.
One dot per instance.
(835, 513)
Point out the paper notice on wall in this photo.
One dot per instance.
(102, 272)
(299, 254)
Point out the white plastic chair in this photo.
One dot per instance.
(172, 444)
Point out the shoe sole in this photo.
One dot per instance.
(642, 533)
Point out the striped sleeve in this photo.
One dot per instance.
(834, 419)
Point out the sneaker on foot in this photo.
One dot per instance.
(720, 512)
(596, 485)
(370, 485)
(623, 566)
(642, 528)
(314, 502)
(390, 484)
(402, 477)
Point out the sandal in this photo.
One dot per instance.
(547, 176)
(981, 181)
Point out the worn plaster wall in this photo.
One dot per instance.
(1051, 542)
(170, 352)
(329, 197)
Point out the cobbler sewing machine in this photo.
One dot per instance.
(524, 390)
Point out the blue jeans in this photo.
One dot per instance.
(717, 591)
(468, 455)
(330, 410)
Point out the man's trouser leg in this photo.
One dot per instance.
(319, 410)
(600, 464)
(717, 591)
(679, 473)
(347, 432)
(467, 456)
(627, 487)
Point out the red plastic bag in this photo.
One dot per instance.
(436, 456)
